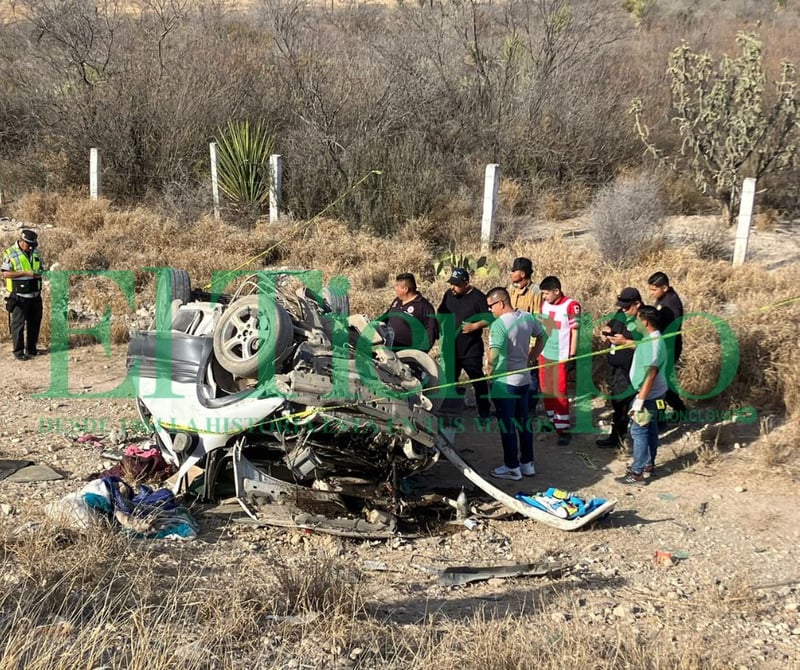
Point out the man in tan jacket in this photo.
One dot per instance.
(525, 296)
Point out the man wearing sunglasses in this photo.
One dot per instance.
(510, 358)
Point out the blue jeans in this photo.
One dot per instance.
(511, 407)
(645, 440)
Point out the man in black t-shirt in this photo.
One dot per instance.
(468, 306)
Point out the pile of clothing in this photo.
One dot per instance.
(138, 511)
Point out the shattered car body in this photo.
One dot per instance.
(306, 408)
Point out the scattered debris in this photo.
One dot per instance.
(457, 576)
(32, 472)
(664, 559)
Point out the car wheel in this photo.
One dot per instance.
(238, 337)
(339, 303)
(180, 285)
(424, 368)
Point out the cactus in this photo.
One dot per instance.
(729, 128)
(450, 259)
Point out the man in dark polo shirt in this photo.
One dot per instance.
(469, 317)
(670, 307)
(411, 316)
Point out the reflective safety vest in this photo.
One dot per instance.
(19, 262)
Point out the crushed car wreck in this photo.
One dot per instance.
(309, 412)
(299, 407)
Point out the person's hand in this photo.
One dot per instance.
(616, 338)
(468, 327)
(637, 405)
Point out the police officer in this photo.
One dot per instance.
(22, 268)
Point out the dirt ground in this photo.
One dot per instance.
(732, 526)
(730, 521)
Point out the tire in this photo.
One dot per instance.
(180, 285)
(427, 371)
(236, 336)
(339, 303)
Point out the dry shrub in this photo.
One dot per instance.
(681, 196)
(626, 218)
(322, 585)
(37, 208)
(710, 243)
(767, 219)
(551, 206)
(777, 448)
(438, 234)
(81, 215)
(511, 197)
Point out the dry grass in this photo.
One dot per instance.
(98, 600)
(760, 308)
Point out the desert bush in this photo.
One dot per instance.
(710, 243)
(626, 218)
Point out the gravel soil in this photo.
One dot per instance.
(730, 523)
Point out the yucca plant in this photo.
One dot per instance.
(243, 164)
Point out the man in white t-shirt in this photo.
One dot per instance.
(510, 359)
(649, 382)
(560, 316)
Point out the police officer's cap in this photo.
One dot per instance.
(628, 296)
(29, 237)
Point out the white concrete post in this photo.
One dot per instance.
(275, 179)
(212, 148)
(490, 185)
(95, 174)
(745, 218)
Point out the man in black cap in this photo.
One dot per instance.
(22, 268)
(525, 295)
(621, 331)
(468, 306)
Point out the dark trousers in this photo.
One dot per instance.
(674, 401)
(619, 427)
(511, 405)
(25, 320)
(473, 366)
(620, 384)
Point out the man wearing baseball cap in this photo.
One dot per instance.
(468, 307)
(619, 331)
(22, 268)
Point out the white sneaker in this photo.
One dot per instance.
(503, 472)
(527, 469)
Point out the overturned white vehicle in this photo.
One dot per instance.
(302, 408)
